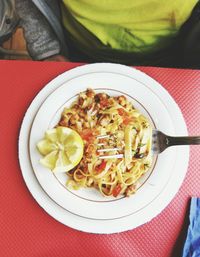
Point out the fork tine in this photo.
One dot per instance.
(108, 150)
(100, 144)
(118, 156)
(103, 136)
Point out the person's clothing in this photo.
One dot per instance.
(183, 49)
(8, 18)
(41, 41)
(133, 26)
(192, 243)
(120, 33)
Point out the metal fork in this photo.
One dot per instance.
(118, 156)
(160, 142)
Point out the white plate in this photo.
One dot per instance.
(88, 202)
(116, 215)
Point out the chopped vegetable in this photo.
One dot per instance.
(121, 112)
(127, 120)
(101, 167)
(88, 135)
(116, 191)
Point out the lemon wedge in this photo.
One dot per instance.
(62, 149)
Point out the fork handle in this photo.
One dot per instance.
(182, 140)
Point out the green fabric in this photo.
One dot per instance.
(127, 25)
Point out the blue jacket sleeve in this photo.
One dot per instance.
(192, 243)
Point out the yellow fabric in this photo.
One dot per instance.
(128, 25)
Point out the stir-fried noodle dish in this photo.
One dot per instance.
(105, 122)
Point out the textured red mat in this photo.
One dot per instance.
(26, 230)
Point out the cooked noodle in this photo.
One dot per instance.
(99, 114)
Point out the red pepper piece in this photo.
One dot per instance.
(116, 190)
(101, 167)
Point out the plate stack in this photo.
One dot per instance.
(85, 209)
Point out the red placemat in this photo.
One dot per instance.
(28, 231)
